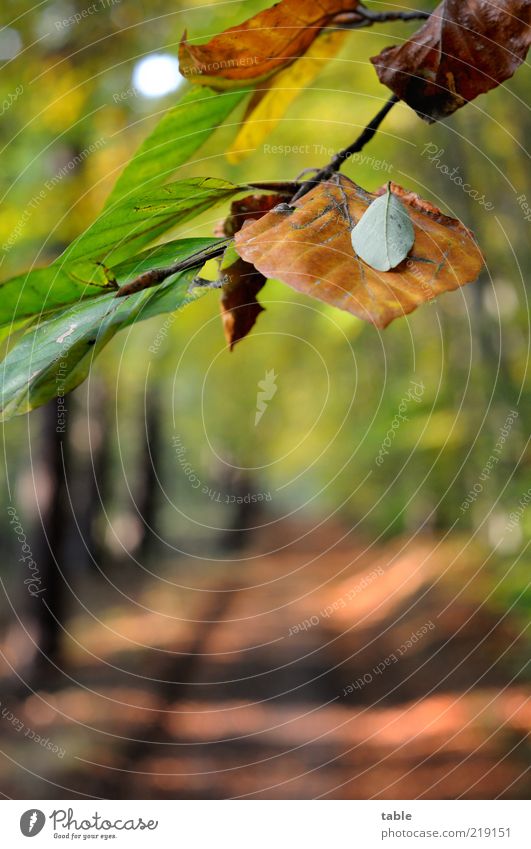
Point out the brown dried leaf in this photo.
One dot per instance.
(239, 307)
(249, 208)
(309, 248)
(265, 43)
(465, 48)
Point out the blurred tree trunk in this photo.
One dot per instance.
(147, 500)
(94, 486)
(245, 512)
(55, 522)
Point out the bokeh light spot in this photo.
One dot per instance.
(157, 75)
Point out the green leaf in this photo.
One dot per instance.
(230, 256)
(46, 289)
(11, 330)
(175, 138)
(55, 356)
(82, 271)
(123, 230)
(384, 234)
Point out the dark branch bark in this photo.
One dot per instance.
(282, 187)
(363, 17)
(157, 275)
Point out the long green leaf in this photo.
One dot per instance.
(84, 269)
(122, 231)
(55, 357)
(45, 289)
(176, 137)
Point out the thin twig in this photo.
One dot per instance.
(276, 186)
(337, 161)
(382, 17)
(362, 17)
(158, 275)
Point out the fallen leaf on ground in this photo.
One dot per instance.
(265, 43)
(465, 48)
(308, 246)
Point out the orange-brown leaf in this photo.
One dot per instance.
(265, 43)
(309, 247)
(465, 48)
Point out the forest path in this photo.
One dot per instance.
(296, 676)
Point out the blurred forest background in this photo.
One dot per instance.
(180, 546)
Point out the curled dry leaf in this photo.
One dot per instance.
(242, 282)
(239, 307)
(249, 208)
(265, 43)
(308, 246)
(465, 48)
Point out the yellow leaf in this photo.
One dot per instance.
(268, 107)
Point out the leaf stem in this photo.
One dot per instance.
(276, 186)
(337, 161)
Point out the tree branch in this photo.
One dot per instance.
(362, 17)
(157, 275)
(337, 161)
(276, 186)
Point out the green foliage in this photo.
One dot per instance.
(143, 206)
(175, 139)
(139, 210)
(123, 230)
(55, 356)
(46, 289)
(35, 370)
